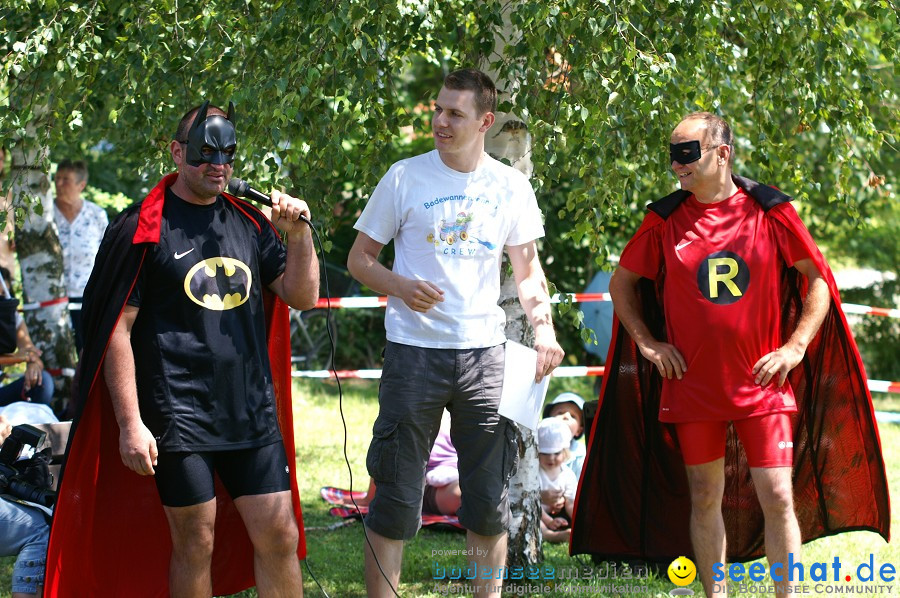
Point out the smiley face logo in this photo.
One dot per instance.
(218, 283)
(682, 571)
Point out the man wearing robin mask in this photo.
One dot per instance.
(722, 292)
(185, 379)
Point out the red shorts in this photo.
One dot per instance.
(767, 440)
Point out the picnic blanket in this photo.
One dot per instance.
(344, 507)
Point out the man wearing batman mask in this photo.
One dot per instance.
(184, 390)
(722, 293)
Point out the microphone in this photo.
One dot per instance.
(241, 188)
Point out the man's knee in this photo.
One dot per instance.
(192, 530)
(271, 523)
(279, 541)
(194, 545)
(779, 498)
(706, 494)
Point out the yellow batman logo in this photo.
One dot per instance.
(218, 283)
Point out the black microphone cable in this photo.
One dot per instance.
(241, 188)
(329, 322)
(331, 356)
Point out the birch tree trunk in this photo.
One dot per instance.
(41, 263)
(509, 140)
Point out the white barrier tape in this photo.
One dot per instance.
(575, 371)
(351, 302)
(369, 374)
(884, 386)
(560, 372)
(48, 303)
(582, 297)
(865, 310)
(67, 372)
(370, 302)
(32, 306)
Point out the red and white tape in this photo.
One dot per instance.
(865, 310)
(370, 302)
(48, 303)
(67, 372)
(575, 371)
(560, 372)
(351, 302)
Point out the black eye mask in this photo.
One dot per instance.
(211, 140)
(684, 153)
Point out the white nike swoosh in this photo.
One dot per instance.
(681, 246)
(178, 256)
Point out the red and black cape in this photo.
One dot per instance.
(633, 500)
(109, 535)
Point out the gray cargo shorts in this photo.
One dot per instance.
(416, 385)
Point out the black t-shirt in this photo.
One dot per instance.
(199, 340)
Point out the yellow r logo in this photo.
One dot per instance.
(725, 268)
(715, 277)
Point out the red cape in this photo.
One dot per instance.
(109, 535)
(633, 499)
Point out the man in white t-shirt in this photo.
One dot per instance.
(81, 225)
(450, 212)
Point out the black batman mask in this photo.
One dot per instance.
(684, 153)
(211, 140)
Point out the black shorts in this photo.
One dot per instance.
(185, 479)
(417, 384)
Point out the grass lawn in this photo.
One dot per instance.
(335, 555)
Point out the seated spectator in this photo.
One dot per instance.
(554, 437)
(35, 385)
(569, 407)
(442, 495)
(24, 532)
(81, 225)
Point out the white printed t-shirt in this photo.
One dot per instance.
(450, 228)
(80, 240)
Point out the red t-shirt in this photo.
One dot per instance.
(721, 300)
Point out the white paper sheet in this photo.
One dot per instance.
(522, 398)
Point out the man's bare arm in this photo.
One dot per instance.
(137, 447)
(623, 289)
(363, 264)
(535, 299)
(777, 364)
(298, 286)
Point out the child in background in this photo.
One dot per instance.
(554, 437)
(569, 407)
(442, 495)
